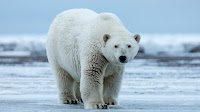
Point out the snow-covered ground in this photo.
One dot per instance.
(149, 85)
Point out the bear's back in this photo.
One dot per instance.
(77, 15)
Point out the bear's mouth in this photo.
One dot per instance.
(124, 62)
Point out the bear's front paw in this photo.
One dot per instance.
(111, 102)
(96, 106)
(69, 101)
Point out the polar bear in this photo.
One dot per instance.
(87, 53)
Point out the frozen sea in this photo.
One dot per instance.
(150, 84)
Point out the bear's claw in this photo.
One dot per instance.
(70, 101)
(97, 106)
(80, 100)
(111, 102)
(102, 106)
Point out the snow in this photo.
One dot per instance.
(152, 43)
(15, 53)
(22, 45)
(168, 43)
(148, 86)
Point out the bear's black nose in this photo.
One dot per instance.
(122, 59)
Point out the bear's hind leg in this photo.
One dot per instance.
(77, 91)
(65, 84)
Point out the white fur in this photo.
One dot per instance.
(78, 55)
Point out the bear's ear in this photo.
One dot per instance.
(137, 37)
(106, 37)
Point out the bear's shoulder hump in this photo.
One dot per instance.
(107, 16)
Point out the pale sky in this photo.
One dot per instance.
(139, 16)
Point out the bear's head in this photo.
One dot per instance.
(120, 49)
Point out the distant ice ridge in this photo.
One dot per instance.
(151, 44)
(22, 45)
(168, 43)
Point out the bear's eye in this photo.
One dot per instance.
(136, 38)
(129, 46)
(116, 46)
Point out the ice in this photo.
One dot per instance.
(15, 53)
(175, 44)
(22, 45)
(168, 43)
(147, 87)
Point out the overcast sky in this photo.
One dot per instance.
(139, 16)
